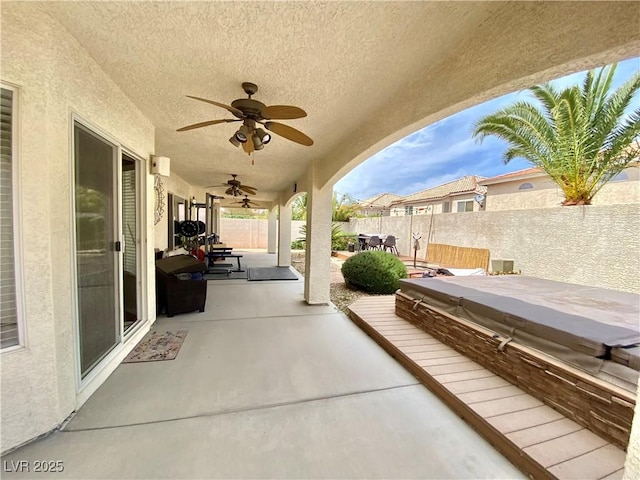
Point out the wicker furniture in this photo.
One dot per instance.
(174, 294)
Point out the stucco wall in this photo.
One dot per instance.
(177, 186)
(506, 196)
(436, 207)
(55, 77)
(592, 245)
(252, 233)
(624, 191)
(546, 194)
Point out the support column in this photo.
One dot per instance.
(272, 231)
(217, 216)
(632, 464)
(317, 275)
(284, 236)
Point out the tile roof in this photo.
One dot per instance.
(468, 184)
(507, 177)
(380, 201)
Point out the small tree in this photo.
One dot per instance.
(580, 136)
(338, 239)
(343, 207)
(299, 207)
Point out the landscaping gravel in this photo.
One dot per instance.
(340, 295)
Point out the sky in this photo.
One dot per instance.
(446, 151)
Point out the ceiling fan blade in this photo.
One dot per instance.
(249, 190)
(242, 185)
(282, 112)
(289, 133)
(205, 124)
(248, 146)
(231, 109)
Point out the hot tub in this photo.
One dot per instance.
(575, 347)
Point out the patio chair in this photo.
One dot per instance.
(375, 243)
(362, 242)
(390, 243)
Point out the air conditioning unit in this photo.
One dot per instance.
(502, 266)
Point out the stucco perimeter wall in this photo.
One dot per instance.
(590, 245)
(253, 233)
(55, 77)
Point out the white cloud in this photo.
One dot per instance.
(446, 150)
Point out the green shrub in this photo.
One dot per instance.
(340, 243)
(298, 245)
(374, 271)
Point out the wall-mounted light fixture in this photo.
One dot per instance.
(160, 165)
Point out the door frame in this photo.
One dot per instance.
(100, 372)
(141, 219)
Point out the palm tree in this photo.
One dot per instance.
(299, 207)
(580, 136)
(343, 207)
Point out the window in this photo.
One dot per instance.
(408, 210)
(446, 207)
(525, 186)
(621, 177)
(10, 328)
(465, 206)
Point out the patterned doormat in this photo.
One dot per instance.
(157, 346)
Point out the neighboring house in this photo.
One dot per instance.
(377, 206)
(462, 195)
(532, 188)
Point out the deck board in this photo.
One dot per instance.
(563, 449)
(542, 433)
(535, 437)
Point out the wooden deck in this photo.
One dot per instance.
(534, 437)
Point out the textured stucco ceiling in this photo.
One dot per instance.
(345, 63)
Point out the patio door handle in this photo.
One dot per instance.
(118, 246)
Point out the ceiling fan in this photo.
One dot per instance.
(235, 187)
(251, 112)
(246, 203)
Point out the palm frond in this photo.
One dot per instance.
(579, 135)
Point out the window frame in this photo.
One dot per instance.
(16, 207)
(466, 204)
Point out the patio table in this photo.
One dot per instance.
(363, 239)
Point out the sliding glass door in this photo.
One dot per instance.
(97, 246)
(131, 234)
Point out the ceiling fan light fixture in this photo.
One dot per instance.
(243, 134)
(257, 143)
(240, 137)
(264, 136)
(234, 141)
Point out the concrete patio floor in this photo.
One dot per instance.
(266, 386)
